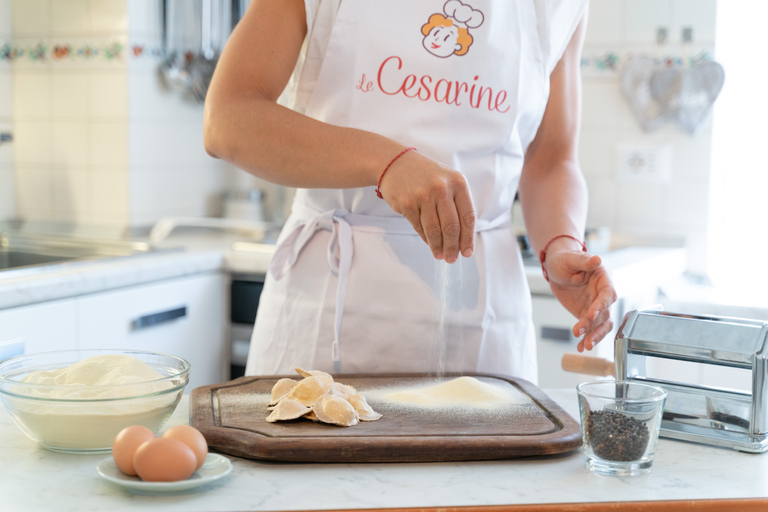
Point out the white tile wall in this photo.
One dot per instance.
(32, 141)
(679, 208)
(109, 16)
(643, 17)
(697, 14)
(6, 18)
(69, 17)
(7, 181)
(32, 94)
(70, 116)
(110, 144)
(108, 95)
(31, 18)
(70, 93)
(6, 94)
(34, 193)
(605, 22)
(71, 201)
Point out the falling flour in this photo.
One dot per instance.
(461, 392)
(447, 334)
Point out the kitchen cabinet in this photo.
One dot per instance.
(183, 317)
(38, 328)
(553, 324)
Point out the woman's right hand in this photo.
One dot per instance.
(436, 201)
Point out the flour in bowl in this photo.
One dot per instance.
(105, 376)
(85, 405)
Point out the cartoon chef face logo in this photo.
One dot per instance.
(448, 34)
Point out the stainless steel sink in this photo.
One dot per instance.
(16, 259)
(32, 251)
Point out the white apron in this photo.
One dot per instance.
(352, 288)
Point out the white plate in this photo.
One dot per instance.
(214, 468)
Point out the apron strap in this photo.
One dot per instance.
(339, 255)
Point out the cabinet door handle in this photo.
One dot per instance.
(556, 334)
(158, 318)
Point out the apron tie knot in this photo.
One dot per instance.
(339, 255)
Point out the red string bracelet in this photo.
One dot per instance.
(378, 186)
(543, 253)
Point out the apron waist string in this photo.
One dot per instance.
(341, 247)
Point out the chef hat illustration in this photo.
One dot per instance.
(463, 15)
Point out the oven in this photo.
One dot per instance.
(245, 291)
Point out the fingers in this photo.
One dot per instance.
(451, 229)
(598, 312)
(430, 224)
(449, 224)
(594, 337)
(466, 212)
(437, 203)
(413, 214)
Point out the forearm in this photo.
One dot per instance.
(288, 148)
(554, 202)
(244, 125)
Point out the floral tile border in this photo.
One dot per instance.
(592, 61)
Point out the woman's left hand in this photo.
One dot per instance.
(584, 287)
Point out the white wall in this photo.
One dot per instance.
(101, 141)
(7, 188)
(678, 208)
(69, 113)
(171, 174)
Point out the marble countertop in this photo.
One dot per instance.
(34, 479)
(64, 281)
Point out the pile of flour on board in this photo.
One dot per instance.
(461, 392)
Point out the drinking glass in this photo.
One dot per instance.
(620, 425)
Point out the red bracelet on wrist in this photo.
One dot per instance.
(543, 253)
(378, 186)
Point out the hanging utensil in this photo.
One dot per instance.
(178, 29)
(202, 68)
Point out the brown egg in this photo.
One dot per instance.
(164, 460)
(191, 437)
(125, 445)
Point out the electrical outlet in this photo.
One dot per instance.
(644, 163)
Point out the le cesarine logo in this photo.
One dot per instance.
(445, 35)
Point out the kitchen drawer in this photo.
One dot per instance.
(38, 328)
(184, 317)
(553, 324)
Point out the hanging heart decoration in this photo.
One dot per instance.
(688, 94)
(635, 85)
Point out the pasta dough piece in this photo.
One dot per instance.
(281, 389)
(322, 376)
(288, 409)
(308, 390)
(335, 410)
(342, 390)
(318, 398)
(364, 411)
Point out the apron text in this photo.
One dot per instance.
(441, 90)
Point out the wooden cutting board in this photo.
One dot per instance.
(232, 415)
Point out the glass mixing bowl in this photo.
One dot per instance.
(86, 419)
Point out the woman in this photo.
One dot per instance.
(403, 134)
